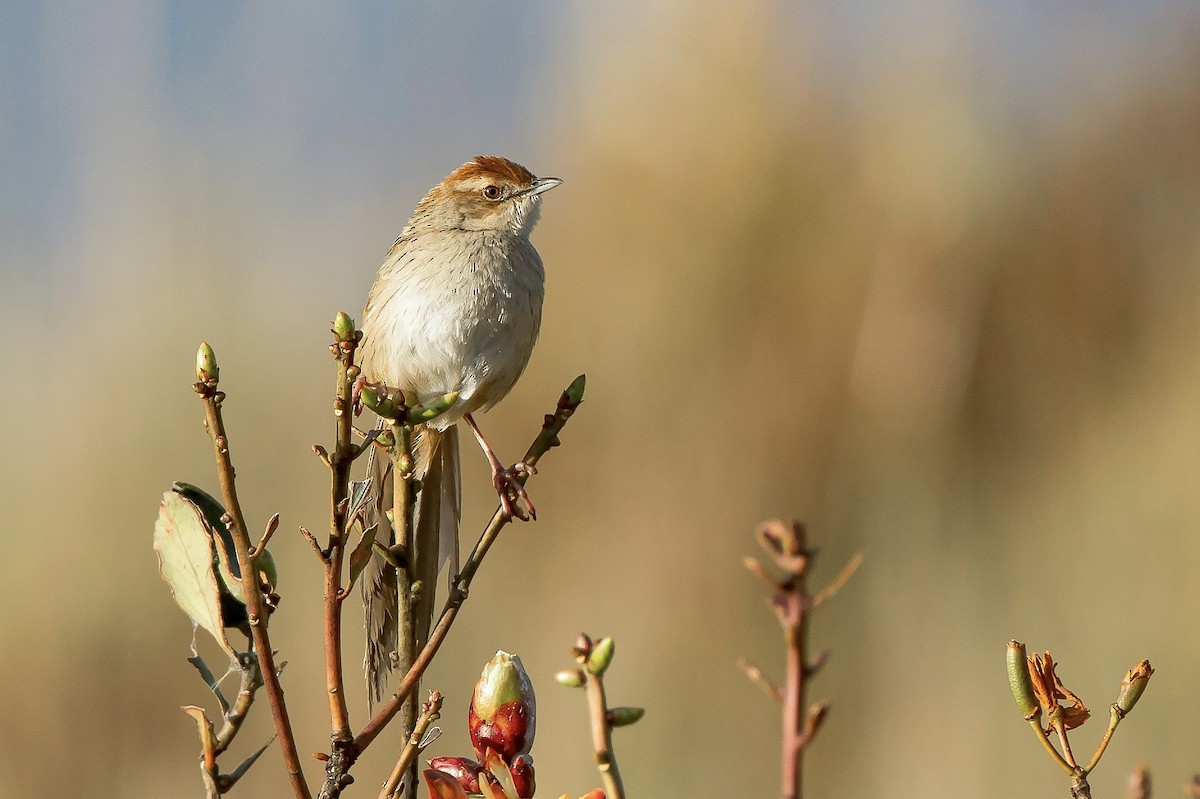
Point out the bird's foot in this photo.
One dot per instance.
(513, 497)
(360, 383)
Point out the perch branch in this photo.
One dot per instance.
(337, 771)
(206, 387)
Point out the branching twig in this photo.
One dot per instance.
(594, 660)
(593, 676)
(793, 605)
(206, 387)
(1038, 691)
(345, 343)
(337, 770)
(251, 681)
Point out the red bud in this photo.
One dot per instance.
(463, 769)
(503, 709)
(521, 769)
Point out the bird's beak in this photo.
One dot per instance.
(542, 184)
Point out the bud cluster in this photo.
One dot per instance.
(502, 719)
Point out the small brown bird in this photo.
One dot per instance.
(456, 307)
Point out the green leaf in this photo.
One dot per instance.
(185, 560)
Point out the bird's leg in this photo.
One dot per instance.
(506, 481)
(360, 383)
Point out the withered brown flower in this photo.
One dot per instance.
(1051, 694)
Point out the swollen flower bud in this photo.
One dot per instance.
(463, 769)
(503, 709)
(583, 646)
(206, 363)
(601, 656)
(572, 678)
(624, 716)
(1133, 685)
(521, 769)
(1019, 681)
(343, 326)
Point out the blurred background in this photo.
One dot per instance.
(925, 275)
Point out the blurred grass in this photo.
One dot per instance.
(945, 316)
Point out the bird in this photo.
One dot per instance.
(456, 307)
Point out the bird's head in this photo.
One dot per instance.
(487, 193)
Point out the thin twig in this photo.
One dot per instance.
(1044, 736)
(1114, 718)
(1059, 726)
(214, 423)
(430, 712)
(793, 606)
(314, 543)
(272, 525)
(343, 349)
(251, 681)
(826, 593)
(606, 760)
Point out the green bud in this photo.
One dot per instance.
(1019, 681)
(600, 658)
(574, 391)
(343, 327)
(206, 363)
(384, 406)
(1134, 685)
(624, 716)
(572, 678)
(432, 409)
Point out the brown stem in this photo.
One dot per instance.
(1059, 726)
(344, 452)
(606, 759)
(792, 607)
(1079, 786)
(430, 712)
(250, 585)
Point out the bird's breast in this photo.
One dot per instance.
(454, 312)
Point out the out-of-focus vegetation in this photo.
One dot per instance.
(927, 278)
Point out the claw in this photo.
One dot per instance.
(360, 383)
(512, 494)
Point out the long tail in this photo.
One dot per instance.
(435, 541)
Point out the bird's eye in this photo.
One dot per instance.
(491, 192)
